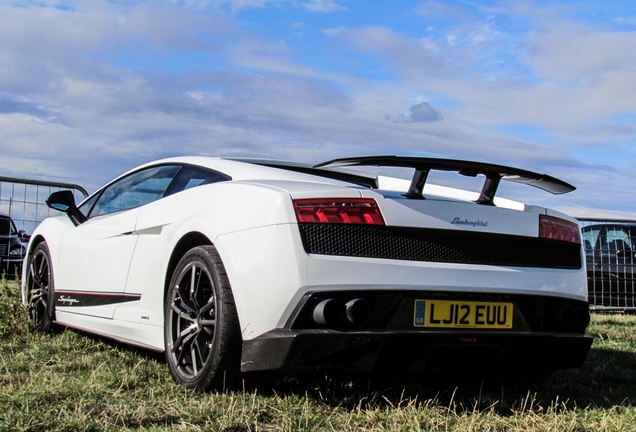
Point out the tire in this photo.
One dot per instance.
(201, 328)
(40, 287)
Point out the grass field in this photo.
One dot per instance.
(69, 381)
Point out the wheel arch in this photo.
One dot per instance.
(187, 242)
(34, 242)
(50, 231)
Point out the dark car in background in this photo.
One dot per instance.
(12, 250)
(610, 250)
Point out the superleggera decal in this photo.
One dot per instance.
(78, 299)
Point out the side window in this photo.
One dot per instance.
(5, 226)
(590, 236)
(14, 230)
(617, 239)
(190, 177)
(87, 205)
(135, 190)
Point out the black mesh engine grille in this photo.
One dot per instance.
(450, 246)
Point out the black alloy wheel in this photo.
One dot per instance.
(202, 333)
(39, 289)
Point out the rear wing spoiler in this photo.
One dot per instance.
(493, 173)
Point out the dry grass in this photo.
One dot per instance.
(71, 381)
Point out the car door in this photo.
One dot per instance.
(156, 224)
(95, 256)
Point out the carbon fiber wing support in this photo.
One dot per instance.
(493, 173)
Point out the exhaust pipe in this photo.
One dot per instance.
(567, 317)
(358, 311)
(327, 312)
(571, 318)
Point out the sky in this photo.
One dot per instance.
(89, 89)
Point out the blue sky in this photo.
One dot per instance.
(91, 88)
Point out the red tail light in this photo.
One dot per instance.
(559, 229)
(338, 211)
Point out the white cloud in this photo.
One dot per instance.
(234, 5)
(237, 5)
(572, 53)
(562, 77)
(72, 109)
(323, 6)
(401, 53)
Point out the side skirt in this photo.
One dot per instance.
(145, 336)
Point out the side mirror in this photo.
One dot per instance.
(64, 201)
(24, 237)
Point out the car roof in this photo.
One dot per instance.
(246, 170)
(338, 173)
(630, 224)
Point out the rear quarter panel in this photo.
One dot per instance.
(250, 226)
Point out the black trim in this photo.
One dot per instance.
(364, 351)
(97, 194)
(438, 245)
(83, 298)
(393, 310)
(494, 173)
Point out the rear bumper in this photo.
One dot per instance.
(366, 351)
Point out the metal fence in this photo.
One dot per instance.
(610, 252)
(24, 200)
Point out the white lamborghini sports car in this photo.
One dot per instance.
(236, 268)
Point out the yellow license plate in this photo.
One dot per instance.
(462, 314)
